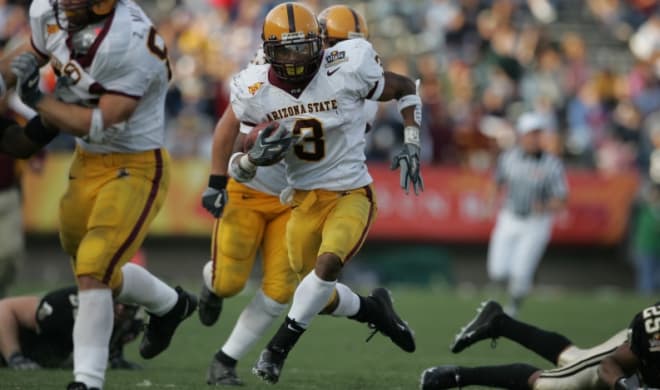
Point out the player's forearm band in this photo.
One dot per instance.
(240, 167)
(38, 133)
(412, 101)
(96, 129)
(411, 135)
(3, 86)
(218, 182)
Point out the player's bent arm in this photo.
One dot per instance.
(7, 77)
(82, 121)
(224, 137)
(16, 313)
(615, 368)
(24, 142)
(401, 87)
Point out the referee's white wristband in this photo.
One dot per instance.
(3, 86)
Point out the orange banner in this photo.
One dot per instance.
(451, 209)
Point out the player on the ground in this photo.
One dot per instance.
(35, 332)
(536, 190)
(320, 97)
(628, 360)
(226, 276)
(113, 76)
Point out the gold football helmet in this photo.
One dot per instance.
(73, 15)
(341, 22)
(292, 42)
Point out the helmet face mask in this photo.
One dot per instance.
(294, 60)
(292, 43)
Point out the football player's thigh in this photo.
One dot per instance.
(279, 280)
(347, 225)
(577, 378)
(119, 220)
(76, 205)
(303, 239)
(236, 240)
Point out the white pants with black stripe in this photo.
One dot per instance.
(578, 368)
(516, 247)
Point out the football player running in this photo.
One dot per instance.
(320, 97)
(113, 76)
(225, 276)
(628, 360)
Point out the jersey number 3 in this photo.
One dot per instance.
(652, 319)
(156, 46)
(312, 145)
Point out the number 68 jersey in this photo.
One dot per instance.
(121, 55)
(328, 114)
(644, 339)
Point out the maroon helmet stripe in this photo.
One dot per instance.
(292, 19)
(355, 19)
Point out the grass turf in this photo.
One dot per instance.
(333, 355)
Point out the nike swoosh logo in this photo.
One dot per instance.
(218, 202)
(185, 310)
(331, 72)
(33, 82)
(291, 328)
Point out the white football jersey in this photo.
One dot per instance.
(329, 115)
(124, 55)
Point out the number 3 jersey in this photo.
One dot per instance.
(328, 115)
(122, 55)
(644, 338)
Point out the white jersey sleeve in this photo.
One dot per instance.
(245, 86)
(362, 72)
(130, 70)
(40, 11)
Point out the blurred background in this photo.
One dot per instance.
(591, 68)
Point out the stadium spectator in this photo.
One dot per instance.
(646, 243)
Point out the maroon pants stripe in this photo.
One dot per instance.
(363, 236)
(141, 219)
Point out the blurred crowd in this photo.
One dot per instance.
(480, 62)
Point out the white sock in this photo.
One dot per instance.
(142, 288)
(310, 298)
(207, 275)
(91, 335)
(349, 302)
(253, 322)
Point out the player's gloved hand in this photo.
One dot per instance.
(214, 198)
(408, 161)
(26, 69)
(622, 384)
(19, 362)
(271, 145)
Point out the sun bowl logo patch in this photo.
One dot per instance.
(255, 87)
(335, 57)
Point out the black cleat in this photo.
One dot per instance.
(210, 307)
(480, 328)
(269, 366)
(221, 374)
(440, 377)
(389, 323)
(160, 330)
(80, 386)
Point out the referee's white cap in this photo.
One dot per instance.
(530, 121)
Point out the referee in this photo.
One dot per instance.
(535, 187)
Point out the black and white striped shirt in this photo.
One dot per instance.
(530, 180)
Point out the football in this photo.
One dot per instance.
(251, 137)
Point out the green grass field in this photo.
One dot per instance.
(333, 354)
